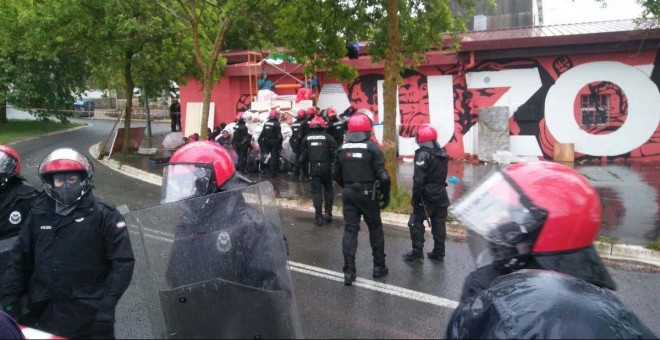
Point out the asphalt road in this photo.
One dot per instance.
(413, 301)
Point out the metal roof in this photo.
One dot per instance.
(554, 35)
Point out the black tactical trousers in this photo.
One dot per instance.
(274, 162)
(437, 216)
(322, 189)
(357, 204)
(296, 160)
(241, 151)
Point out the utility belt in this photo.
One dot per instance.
(371, 189)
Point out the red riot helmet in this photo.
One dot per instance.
(532, 215)
(301, 114)
(427, 136)
(273, 114)
(199, 169)
(331, 112)
(10, 165)
(359, 127)
(68, 162)
(317, 123)
(311, 111)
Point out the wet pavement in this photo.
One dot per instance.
(630, 193)
(328, 309)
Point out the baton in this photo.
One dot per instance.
(428, 219)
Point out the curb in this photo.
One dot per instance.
(27, 139)
(624, 252)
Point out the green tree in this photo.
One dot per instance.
(213, 24)
(39, 70)
(397, 31)
(133, 46)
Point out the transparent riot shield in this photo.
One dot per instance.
(215, 267)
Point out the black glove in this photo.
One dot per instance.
(384, 201)
(103, 328)
(416, 201)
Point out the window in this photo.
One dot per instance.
(595, 110)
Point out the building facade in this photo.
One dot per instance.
(595, 85)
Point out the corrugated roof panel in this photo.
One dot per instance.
(567, 34)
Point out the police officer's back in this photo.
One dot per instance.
(317, 154)
(270, 141)
(359, 169)
(241, 142)
(336, 127)
(74, 256)
(296, 139)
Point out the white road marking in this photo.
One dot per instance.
(373, 285)
(339, 277)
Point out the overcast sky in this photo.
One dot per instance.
(573, 11)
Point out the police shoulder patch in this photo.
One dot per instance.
(420, 163)
(121, 224)
(15, 217)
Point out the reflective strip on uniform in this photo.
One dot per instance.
(354, 146)
(321, 137)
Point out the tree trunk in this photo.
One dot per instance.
(206, 107)
(3, 108)
(3, 113)
(128, 78)
(390, 93)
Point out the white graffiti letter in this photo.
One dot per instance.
(643, 114)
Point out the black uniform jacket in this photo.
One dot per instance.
(15, 204)
(542, 304)
(430, 175)
(318, 148)
(271, 134)
(240, 136)
(79, 264)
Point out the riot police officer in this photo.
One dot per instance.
(270, 142)
(429, 195)
(359, 168)
(74, 257)
(241, 142)
(336, 127)
(296, 139)
(228, 250)
(15, 199)
(531, 228)
(317, 153)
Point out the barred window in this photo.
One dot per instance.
(595, 110)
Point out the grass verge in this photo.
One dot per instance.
(19, 129)
(608, 239)
(655, 245)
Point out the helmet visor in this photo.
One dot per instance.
(502, 222)
(182, 181)
(8, 165)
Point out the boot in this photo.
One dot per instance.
(328, 217)
(413, 256)
(319, 220)
(349, 272)
(435, 256)
(380, 271)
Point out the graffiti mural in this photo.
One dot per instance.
(605, 104)
(605, 107)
